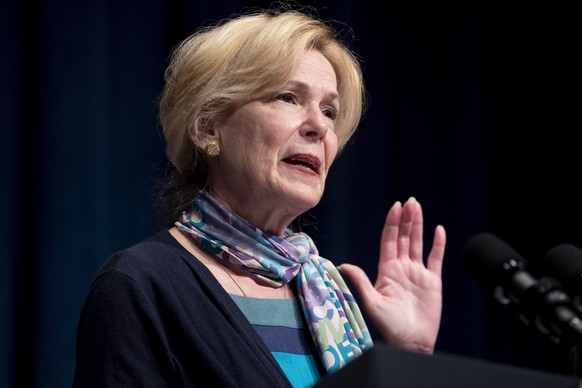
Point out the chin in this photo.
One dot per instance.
(306, 199)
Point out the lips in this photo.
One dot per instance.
(309, 161)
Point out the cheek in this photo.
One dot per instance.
(259, 153)
(272, 140)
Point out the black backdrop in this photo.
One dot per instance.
(474, 111)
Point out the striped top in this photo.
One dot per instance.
(280, 323)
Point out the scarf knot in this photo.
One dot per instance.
(303, 247)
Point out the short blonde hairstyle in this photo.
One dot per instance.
(219, 68)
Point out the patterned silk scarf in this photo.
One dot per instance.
(333, 316)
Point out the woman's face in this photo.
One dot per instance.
(276, 151)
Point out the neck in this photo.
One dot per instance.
(273, 220)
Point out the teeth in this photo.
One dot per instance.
(302, 162)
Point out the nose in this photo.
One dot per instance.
(316, 124)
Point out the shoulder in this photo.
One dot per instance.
(156, 272)
(155, 259)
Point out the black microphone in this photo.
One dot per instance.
(541, 302)
(564, 263)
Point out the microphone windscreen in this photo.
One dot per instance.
(484, 255)
(564, 263)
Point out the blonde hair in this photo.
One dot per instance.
(219, 68)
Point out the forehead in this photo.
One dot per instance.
(312, 61)
(315, 71)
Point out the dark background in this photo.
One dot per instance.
(474, 110)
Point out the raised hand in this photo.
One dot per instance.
(405, 303)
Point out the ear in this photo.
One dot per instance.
(204, 131)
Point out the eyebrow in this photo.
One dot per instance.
(303, 86)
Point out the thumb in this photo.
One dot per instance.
(359, 279)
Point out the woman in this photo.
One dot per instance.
(254, 112)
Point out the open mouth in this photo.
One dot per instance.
(305, 160)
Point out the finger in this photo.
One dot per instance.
(405, 227)
(437, 252)
(361, 282)
(416, 233)
(388, 241)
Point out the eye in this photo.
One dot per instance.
(287, 97)
(330, 112)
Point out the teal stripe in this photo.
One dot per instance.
(285, 315)
(301, 370)
(271, 312)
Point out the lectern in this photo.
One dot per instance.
(389, 367)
